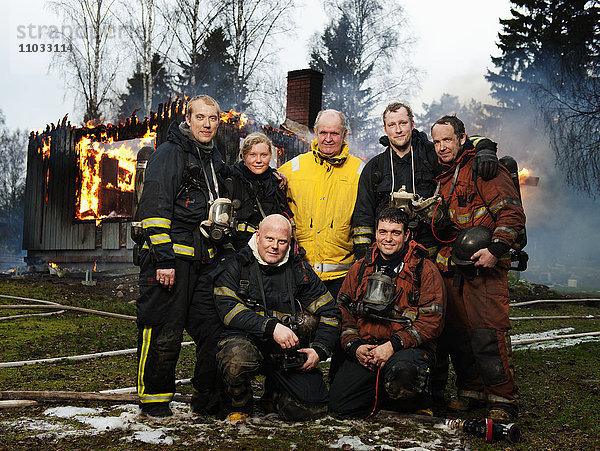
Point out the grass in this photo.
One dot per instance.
(559, 388)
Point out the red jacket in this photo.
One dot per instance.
(467, 205)
(427, 313)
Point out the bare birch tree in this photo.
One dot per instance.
(147, 34)
(13, 163)
(357, 53)
(252, 27)
(191, 21)
(88, 66)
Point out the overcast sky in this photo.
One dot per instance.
(455, 40)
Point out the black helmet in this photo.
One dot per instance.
(469, 241)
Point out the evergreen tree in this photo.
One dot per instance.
(344, 78)
(211, 71)
(355, 53)
(133, 99)
(480, 119)
(540, 41)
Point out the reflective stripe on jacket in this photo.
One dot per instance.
(309, 292)
(471, 205)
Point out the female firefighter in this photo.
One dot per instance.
(257, 188)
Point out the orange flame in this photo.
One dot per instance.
(53, 265)
(90, 155)
(93, 123)
(523, 174)
(525, 178)
(233, 116)
(95, 266)
(46, 146)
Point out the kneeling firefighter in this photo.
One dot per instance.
(392, 303)
(279, 320)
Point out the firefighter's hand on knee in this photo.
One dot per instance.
(166, 277)
(364, 356)
(312, 359)
(382, 353)
(285, 337)
(484, 258)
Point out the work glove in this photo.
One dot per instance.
(485, 164)
(360, 250)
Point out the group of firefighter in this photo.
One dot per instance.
(390, 269)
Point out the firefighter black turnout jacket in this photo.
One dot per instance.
(375, 184)
(258, 194)
(247, 312)
(175, 199)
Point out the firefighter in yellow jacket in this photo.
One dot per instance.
(322, 187)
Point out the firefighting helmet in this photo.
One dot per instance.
(307, 324)
(469, 241)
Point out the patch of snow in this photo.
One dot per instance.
(98, 420)
(559, 343)
(32, 425)
(70, 411)
(154, 437)
(124, 421)
(355, 443)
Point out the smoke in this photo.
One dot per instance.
(563, 240)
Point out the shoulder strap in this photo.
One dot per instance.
(377, 176)
(290, 282)
(187, 178)
(244, 285)
(415, 294)
(430, 160)
(261, 287)
(361, 271)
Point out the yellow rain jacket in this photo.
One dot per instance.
(321, 194)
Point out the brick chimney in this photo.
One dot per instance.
(304, 97)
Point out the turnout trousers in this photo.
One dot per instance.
(402, 384)
(475, 338)
(162, 316)
(294, 395)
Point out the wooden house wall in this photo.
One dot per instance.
(49, 222)
(52, 182)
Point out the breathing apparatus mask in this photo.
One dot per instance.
(378, 299)
(430, 209)
(379, 295)
(403, 200)
(221, 220)
(420, 209)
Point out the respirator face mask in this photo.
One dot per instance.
(220, 220)
(379, 294)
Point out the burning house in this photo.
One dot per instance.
(79, 193)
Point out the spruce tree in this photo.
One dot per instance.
(132, 100)
(211, 71)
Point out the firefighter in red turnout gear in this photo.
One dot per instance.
(392, 303)
(477, 319)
